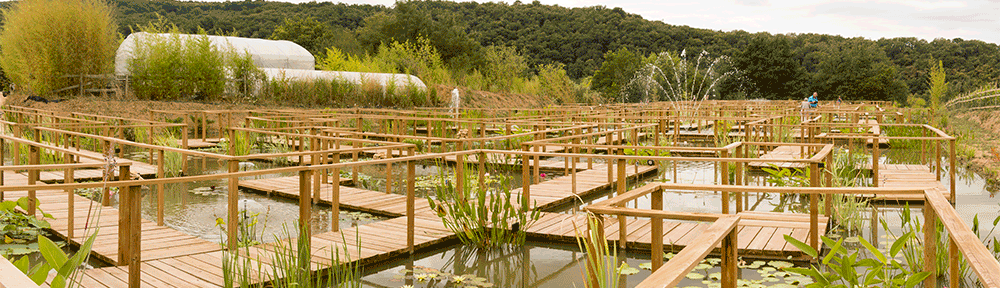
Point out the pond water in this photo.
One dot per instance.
(540, 265)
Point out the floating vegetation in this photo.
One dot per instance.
(430, 277)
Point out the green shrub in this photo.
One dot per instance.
(45, 40)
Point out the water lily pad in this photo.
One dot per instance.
(695, 276)
(647, 266)
(625, 269)
(715, 276)
(780, 264)
(852, 239)
(703, 267)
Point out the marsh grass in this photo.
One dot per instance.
(293, 260)
(487, 216)
(601, 268)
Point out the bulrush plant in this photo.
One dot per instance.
(601, 269)
(293, 261)
(483, 216)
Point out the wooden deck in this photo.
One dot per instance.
(197, 143)
(559, 191)
(907, 175)
(370, 243)
(157, 241)
(874, 131)
(781, 153)
(761, 234)
(381, 203)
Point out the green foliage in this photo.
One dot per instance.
(18, 228)
(938, 86)
(602, 259)
(485, 217)
(858, 70)
(411, 20)
(173, 162)
(293, 264)
(45, 40)
(64, 265)
(840, 269)
(767, 68)
(618, 69)
(316, 36)
(503, 68)
(161, 62)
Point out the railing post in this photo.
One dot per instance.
(930, 244)
(460, 171)
(160, 197)
(828, 203)
(305, 200)
(335, 195)
(130, 232)
(814, 207)
(953, 263)
(67, 178)
(656, 231)
(729, 258)
(233, 206)
(725, 180)
(314, 158)
(525, 177)
(124, 219)
(937, 159)
(876, 151)
(951, 171)
(32, 178)
(410, 197)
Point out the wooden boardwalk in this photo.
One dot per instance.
(157, 241)
(546, 165)
(381, 203)
(368, 243)
(781, 153)
(907, 175)
(761, 234)
(875, 130)
(558, 191)
(80, 175)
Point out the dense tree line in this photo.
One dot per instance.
(771, 66)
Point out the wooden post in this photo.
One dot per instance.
(739, 178)
(160, 197)
(875, 159)
(460, 171)
(656, 231)
(953, 263)
(729, 258)
(814, 207)
(184, 144)
(335, 195)
(134, 218)
(937, 159)
(596, 238)
(314, 159)
(32, 178)
(621, 174)
(67, 178)
(725, 180)
(828, 203)
(525, 177)
(482, 170)
(410, 205)
(124, 225)
(951, 171)
(388, 172)
(233, 205)
(930, 245)
(305, 201)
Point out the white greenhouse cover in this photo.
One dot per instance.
(400, 80)
(265, 53)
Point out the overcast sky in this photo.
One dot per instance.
(926, 19)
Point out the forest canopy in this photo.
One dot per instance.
(581, 40)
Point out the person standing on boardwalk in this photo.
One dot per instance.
(813, 101)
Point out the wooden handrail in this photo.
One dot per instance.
(692, 255)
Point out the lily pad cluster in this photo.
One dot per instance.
(430, 277)
(771, 274)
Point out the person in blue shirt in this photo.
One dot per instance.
(813, 102)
